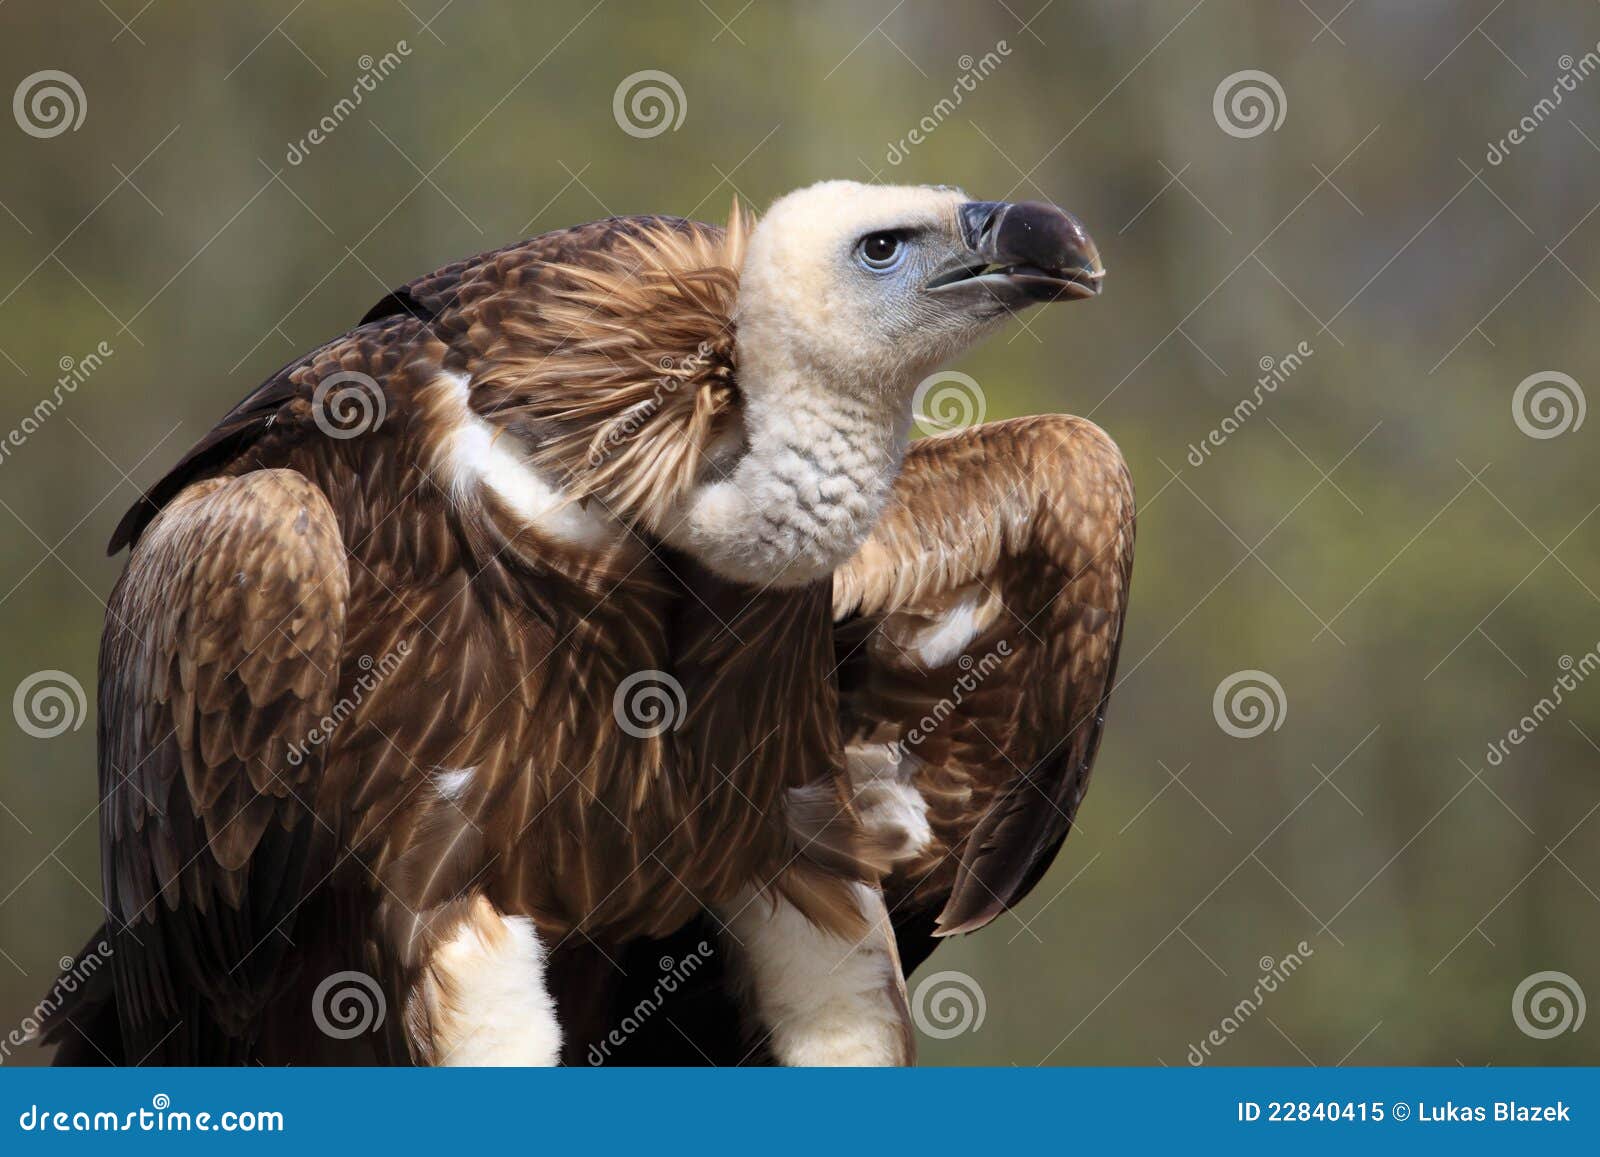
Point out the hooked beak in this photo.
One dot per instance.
(1022, 254)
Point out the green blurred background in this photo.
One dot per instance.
(1381, 536)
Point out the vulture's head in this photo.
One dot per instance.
(871, 287)
(848, 296)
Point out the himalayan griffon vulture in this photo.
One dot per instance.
(368, 699)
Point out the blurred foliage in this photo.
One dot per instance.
(1379, 536)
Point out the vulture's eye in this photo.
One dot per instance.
(881, 252)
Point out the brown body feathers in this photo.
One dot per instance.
(348, 687)
(627, 379)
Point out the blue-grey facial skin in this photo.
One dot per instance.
(992, 260)
(901, 286)
(869, 288)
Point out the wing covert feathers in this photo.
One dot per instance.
(627, 375)
(220, 655)
(608, 347)
(978, 635)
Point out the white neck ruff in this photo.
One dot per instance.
(818, 471)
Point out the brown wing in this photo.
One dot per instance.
(191, 954)
(220, 654)
(977, 636)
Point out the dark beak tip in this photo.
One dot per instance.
(1049, 236)
(1050, 252)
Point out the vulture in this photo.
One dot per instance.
(588, 595)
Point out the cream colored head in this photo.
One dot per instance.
(850, 295)
(875, 285)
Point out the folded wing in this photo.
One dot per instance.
(977, 635)
(220, 656)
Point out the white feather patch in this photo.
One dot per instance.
(941, 641)
(486, 996)
(827, 1001)
(479, 453)
(452, 785)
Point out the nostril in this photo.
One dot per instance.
(978, 220)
